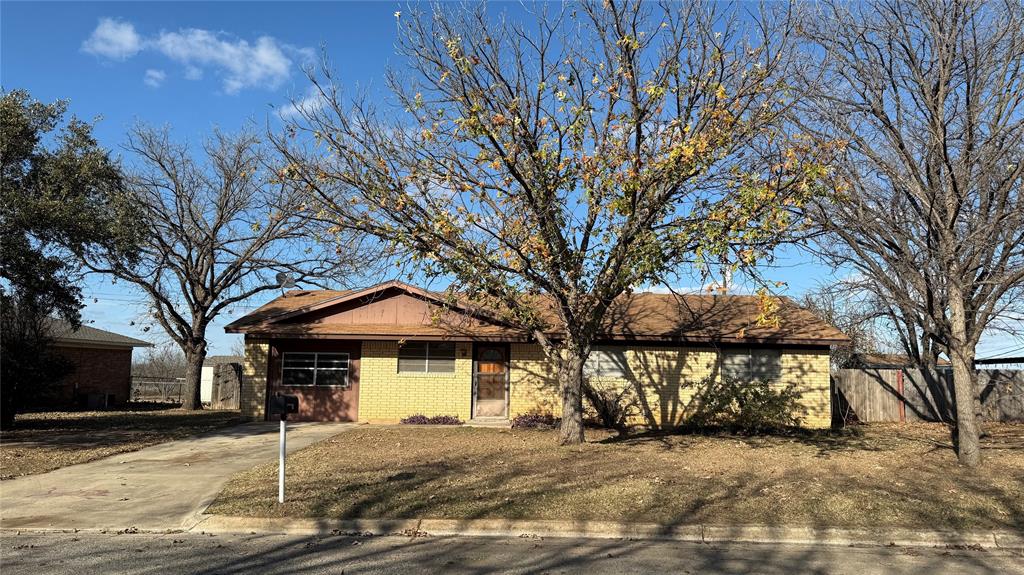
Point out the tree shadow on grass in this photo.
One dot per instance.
(670, 480)
(825, 441)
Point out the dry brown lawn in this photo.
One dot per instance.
(877, 476)
(45, 441)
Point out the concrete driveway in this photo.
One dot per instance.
(166, 486)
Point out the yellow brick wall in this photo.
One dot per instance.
(665, 380)
(252, 396)
(386, 396)
(532, 381)
(668, 378)
(808, 369)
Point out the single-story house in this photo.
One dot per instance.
(206, 374)
(101, 362)
(393, 350)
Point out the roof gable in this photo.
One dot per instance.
(363, 298)
(390, 308)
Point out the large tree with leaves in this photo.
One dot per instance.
(56, 189)
(216, 230)
(930, 96)
(575, 157)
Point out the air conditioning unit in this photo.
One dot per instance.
(97, 400)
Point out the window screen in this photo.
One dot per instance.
(606, 362)
(303, 368)
(427, 357)
(751, 364)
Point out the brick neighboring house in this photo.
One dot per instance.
(394, 350)
(102, 362)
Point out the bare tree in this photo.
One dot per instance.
(856, 313)
(238, 347)
(598, 148)
(216, 231)
(929, 96)
(164, 361)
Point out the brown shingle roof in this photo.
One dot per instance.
(62, 333)
(291, 301)
(655, 316)
(652, 317)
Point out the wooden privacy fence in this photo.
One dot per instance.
(895, 395)
(227, 380)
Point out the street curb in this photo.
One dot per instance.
(610, 530)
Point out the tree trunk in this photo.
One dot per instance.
(961, 355)
(194, 357)
(570, 378)
(968, 448)
(7, 407)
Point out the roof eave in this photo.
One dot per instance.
(266, 331)
(71, 342)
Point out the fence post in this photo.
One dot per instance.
(903, 401)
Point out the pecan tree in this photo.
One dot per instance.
(572, 154)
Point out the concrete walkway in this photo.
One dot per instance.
(166, 486)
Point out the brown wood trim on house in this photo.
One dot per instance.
(368, 295)
(652, 341)
(377, 337)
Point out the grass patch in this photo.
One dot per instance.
(881, 476)
(45, 441)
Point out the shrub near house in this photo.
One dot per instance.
(420, 419)
(393, 351)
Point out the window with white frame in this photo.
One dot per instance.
(314, 368)
(606, 362)
(751, 364)
(426, 357)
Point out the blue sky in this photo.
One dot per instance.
(196, 65)
(192, 66)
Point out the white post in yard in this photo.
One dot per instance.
(280, 467)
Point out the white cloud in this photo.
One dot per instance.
(311, 102)
(264, 63)
(154, 78)
(113, 39)
(243, 65)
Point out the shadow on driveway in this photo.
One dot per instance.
(161, 487)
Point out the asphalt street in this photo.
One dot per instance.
(86, 553)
